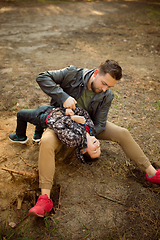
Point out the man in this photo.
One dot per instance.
(90, 90)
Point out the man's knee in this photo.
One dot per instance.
(49, 140)
(124, 133)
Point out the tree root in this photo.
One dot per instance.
(25, 174)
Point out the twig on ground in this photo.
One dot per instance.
(25, 174)
(34, 167)
(109, 198)
(52, 219)
(19, 202)
(71, 174)
(57, 207)
(69, 231)
(86, 236)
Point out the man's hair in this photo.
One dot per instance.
(112, 67)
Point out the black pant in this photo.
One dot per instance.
(33, 116)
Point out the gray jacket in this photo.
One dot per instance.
(72, 81)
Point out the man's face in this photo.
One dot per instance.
(101, 83)
(93, 147)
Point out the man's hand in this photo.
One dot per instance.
(70, 103)
(78, 119)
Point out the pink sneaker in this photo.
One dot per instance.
(43, 206)
(155, 178)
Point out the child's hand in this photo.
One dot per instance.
(78, 119)
(69, 112)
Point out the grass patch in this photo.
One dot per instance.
(153, 12)
(157, 105)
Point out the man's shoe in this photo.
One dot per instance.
(14, 138)
(37, 138)
(43, 206)
(155, 178)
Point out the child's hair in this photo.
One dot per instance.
(88, 159)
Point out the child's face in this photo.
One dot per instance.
(93, 147)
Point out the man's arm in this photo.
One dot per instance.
(50, 82)
(70, 103)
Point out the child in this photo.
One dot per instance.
(73, 129)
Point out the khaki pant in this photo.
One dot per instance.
(50, 142)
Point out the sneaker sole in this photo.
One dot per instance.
(37, 215)
(16, 141)
(36, 140)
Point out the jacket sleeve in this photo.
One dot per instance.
(101, 113)
(100, 120)
(48, 83)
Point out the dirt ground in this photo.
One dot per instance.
(39, 36)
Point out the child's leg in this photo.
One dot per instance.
(24, 116)
(31, 116)
(38, 131)
(40, 127)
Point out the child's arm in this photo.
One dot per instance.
(69, 112)
(78, 119)
(75, 118)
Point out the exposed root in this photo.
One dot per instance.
(25, 174)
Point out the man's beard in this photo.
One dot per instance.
(95, 90)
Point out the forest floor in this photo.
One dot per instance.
(40, 36)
